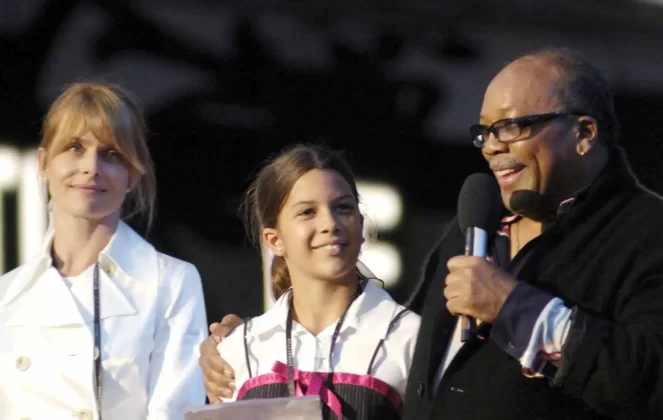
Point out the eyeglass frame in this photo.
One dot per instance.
(521, 122)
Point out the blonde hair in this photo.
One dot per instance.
(114, 117)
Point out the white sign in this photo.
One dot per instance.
(293, 408)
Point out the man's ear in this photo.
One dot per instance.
(587, 134)
(271, 237)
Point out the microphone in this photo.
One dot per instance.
(479, 211)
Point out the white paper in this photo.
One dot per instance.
(291, 408)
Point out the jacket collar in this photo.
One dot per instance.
(369, 309)
(34, 286)
(616, 178)
(616, 175)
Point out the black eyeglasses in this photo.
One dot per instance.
(509, 129)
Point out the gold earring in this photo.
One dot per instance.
(582, 148)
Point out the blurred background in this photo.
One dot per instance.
(227, 84)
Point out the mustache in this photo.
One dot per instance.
(505, 163)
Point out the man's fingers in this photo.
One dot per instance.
(455, 279)
(454, 263)
(215, 392)
(213, 399)
(464, 261)
(220, 330)
(213, 365)
(217, 371)
(218, 378)
(232, 320)
(452, 306)
(208, 349)
(449, 292)
(226, 370)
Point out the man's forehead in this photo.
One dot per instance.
(525, 86)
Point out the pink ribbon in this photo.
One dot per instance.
(310, 383)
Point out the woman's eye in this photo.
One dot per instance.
(112, 153)
(74, 147)
(346, 207)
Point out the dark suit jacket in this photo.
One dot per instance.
(604, 258)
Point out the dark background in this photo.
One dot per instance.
(225, 85)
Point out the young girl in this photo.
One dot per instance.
(99, 324)
(332, 331)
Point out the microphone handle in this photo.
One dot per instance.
(476, 244)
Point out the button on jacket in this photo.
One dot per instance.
(152, 321)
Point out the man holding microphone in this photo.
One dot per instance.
(569, 301)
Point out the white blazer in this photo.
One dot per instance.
(152, 321)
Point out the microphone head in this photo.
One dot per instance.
(480, 203)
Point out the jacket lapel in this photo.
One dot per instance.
(446, 323)
(39, 297)
(45, 302)
(112, 300)
(440, 340)
(439, 332)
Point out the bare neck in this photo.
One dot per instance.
(77, 242)
(318, 304)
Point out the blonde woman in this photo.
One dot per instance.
(99, 324)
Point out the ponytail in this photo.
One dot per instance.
(280, 277)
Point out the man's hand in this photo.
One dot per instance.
(476, 288)
(218, 375)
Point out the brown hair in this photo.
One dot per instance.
(269, 191)
(114, 117)
(582, 89)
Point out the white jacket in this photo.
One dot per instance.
(152, 322)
